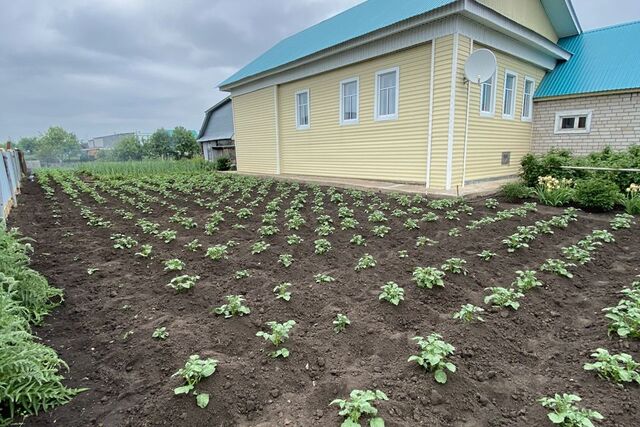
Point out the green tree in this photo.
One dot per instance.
(28, 145)
(160, 144)
(185, 142)
(129, 148)
(57, 145)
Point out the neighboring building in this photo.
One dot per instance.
(378, 91)
(593, 99)
(107, 142)
(216, 133)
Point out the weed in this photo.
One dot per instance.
(433, 356)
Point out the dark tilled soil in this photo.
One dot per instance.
(504, 365)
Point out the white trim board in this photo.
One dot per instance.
(452, 112)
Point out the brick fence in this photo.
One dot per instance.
(615, 121)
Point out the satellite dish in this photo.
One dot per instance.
(480, 66)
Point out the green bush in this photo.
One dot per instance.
(597, 194)
(30, 379)
(516, 191)
(223, 164)
(534, 165)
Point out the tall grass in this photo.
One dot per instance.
(29, 371)
(145, 167)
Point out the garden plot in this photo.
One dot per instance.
(441, 312)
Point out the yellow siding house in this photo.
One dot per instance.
(379, 92)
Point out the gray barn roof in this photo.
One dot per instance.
(218, 122)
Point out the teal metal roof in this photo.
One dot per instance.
(361, 19)
(605, 59)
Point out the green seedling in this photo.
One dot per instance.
(428, 277)
(455, 265)
(366, 261)
(160, 333)
(173, 265)
(360, 402)
(282, 291)
(183, 283)
(194, 371)
(566, 413)
(433, 356)
(486, 255)
(340, 323)
(392, 293)
(233, 307)
(323, 278)
(279, 334)
(619, 368)
(502, 297)
(145, 251)
(468, 313)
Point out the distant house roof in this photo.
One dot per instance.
(218, 122)
(362, 19)
(606, 59)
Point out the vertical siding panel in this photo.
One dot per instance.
(386, 150)
(488, 137)
(255, 131)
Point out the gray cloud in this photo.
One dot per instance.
(120, 65)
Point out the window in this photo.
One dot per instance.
(509, 99)
(349, 108)
(527, 98)
(573, 122)
(506, 158)
(387, 82)
(302, 109)
(487, 93)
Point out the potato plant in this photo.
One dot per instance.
(279, 335)
(486, 255)
(233, 307)
(241, 274)
(217, 252)
(183, 283)
(392, 293)
(526, 280)
(294, 239)
(259, 247)
(282, 291)
(358, 240)
(619, 368)
(160, 333)
(455, 265)
(360, 403)
(173, 264)
(145, 251)
(193, 245)
(558, 267)
(322, 246)
(323, 278)
(468, 313)
(428, 277)
(366, 261)
(286, 260)
(340, 323)
(433, 356)
(566, 413)
(503, 297)
(194, 371)
(624, 318)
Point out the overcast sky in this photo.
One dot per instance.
(104, 66)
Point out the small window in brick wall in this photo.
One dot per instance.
(573, 122)
(506, 158)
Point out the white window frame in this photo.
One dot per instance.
(494, 85)
(576, 114)
(357, 119)
(298, 125)
(376, 116)
(513, 97)
(524, 99)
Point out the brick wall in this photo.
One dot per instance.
(615, 121)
